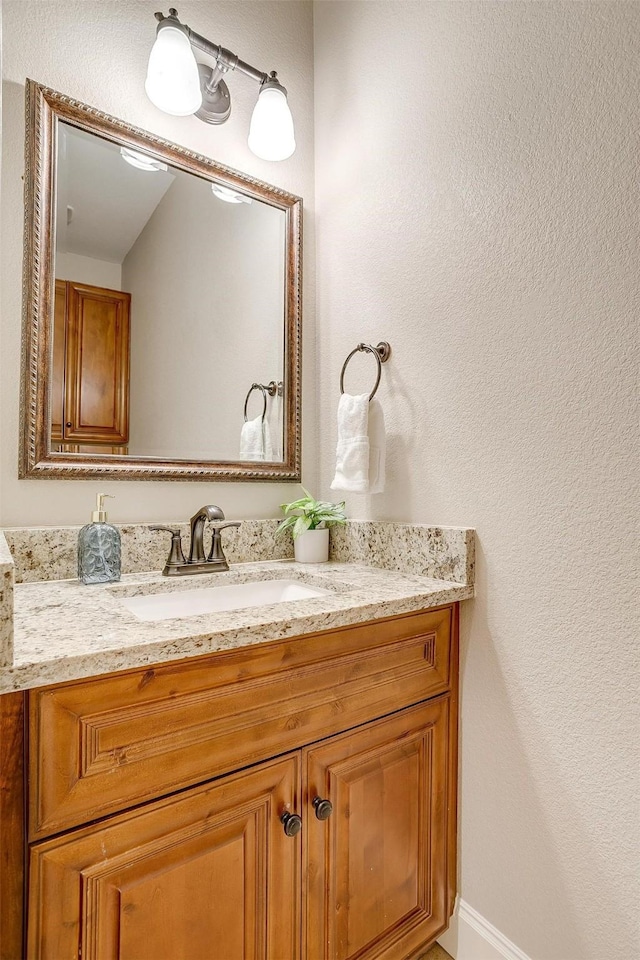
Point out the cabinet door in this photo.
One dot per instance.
(97, 365)
(59, 340)
(376, 870)
(208, 873)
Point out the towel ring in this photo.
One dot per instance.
(381, 352)
(256, 386)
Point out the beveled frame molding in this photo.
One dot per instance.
(44, 107)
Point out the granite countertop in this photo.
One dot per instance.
(63, 630)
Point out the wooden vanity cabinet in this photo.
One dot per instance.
(90, 375)
(159, 802)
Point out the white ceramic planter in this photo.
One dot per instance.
(312, 546)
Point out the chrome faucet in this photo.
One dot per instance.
(177, 566)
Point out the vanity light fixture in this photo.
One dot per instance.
(177, 84)
(141, 161)
(228, 195)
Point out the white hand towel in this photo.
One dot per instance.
(267, 446)
(362, 445)
(255, 440)
(377, 448)
(273, 424)
(352, 452)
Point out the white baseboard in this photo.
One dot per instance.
(471, 937)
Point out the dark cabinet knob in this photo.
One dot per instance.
(323, 808)
(68, 424)
(292, 823)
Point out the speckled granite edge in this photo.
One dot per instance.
(50, 553)
(6, 603)
(442, 553)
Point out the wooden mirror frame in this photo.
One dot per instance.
(44, 107)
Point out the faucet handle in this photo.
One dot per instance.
(176, 556)
(216, 552)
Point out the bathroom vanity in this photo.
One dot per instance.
(282, 787)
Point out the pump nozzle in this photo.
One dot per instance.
(100, 515)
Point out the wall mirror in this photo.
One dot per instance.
(162, 297)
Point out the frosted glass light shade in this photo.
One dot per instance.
(271, 134)
(173, 83)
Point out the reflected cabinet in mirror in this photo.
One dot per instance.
(162, 298)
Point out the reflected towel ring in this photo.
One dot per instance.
(256, 386)
(381, 352)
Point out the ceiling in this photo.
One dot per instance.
(102, 202)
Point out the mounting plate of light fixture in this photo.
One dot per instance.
(216, 101)
(177, 84)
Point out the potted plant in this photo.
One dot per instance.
(309, 521)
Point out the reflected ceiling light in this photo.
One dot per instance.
(230, 196)
(140, 160)
(178, 85)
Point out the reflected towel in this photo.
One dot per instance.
(255, 440)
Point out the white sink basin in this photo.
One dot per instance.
(237, 596)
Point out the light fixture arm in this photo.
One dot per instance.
(216, 75)
(223, 56)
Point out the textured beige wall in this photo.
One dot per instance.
(477, 187)
(97, 52)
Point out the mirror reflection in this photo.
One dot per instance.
(169, 312)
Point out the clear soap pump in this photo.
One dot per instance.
(99, 548)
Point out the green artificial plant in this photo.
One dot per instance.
(307, 513)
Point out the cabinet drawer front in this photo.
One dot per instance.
(102, 745)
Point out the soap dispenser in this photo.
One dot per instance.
(99, 548)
